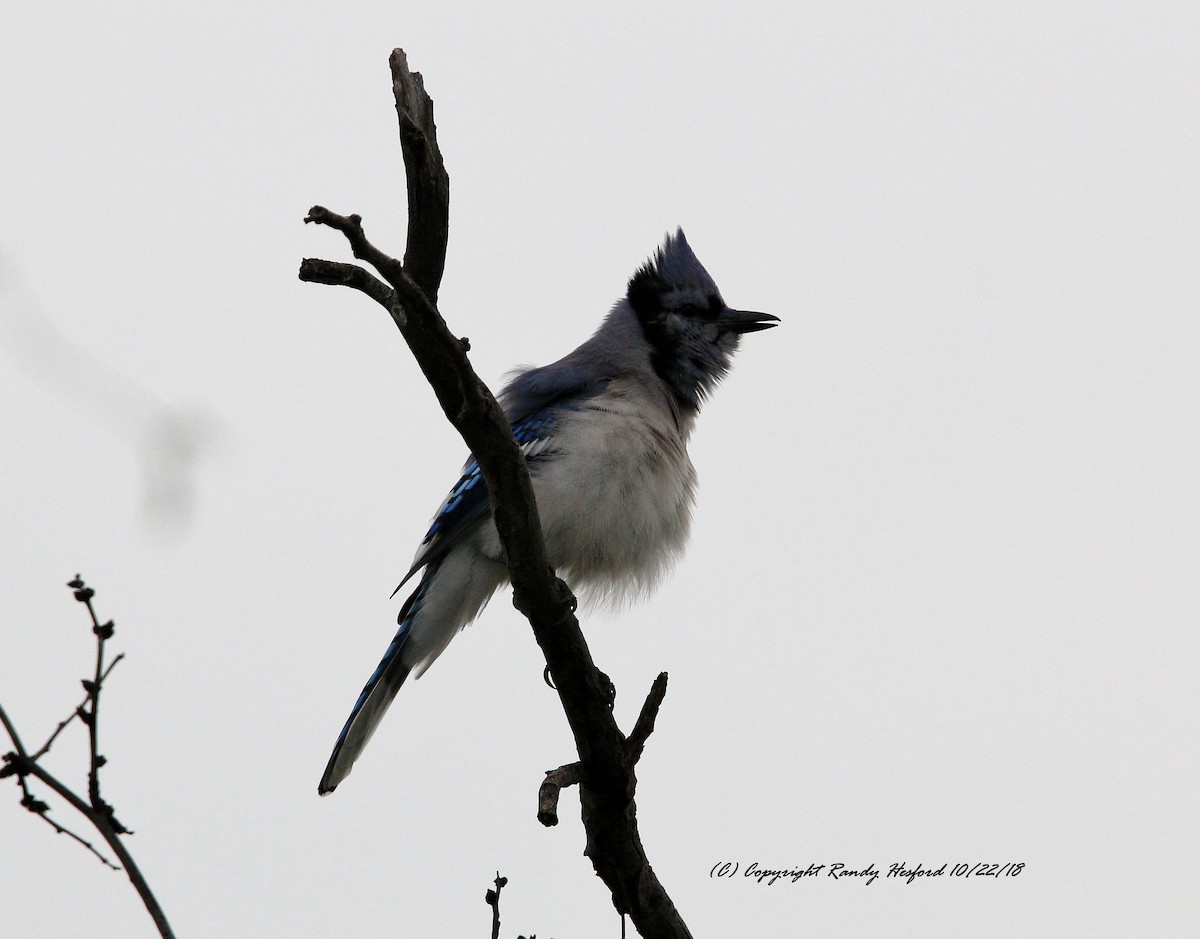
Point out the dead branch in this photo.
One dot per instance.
(556, 780)
(408, 291)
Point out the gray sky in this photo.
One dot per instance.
(940, 603)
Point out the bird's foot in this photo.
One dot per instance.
(610, 690)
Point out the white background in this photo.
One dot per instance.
(940, 603)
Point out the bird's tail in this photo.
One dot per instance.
(452, 592)
(376, 695)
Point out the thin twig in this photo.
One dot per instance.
(351, 227)
(103, 825)
(19, 764)
(91, 715)
(12, 732)
(492, 898)
(42, 810)
(644, 726)
(341, 274)
(95, 810)
(65, 722)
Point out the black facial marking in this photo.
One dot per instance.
(645, 292)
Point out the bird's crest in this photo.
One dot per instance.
(674, 270)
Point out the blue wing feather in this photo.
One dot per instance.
(533, 401)
(551, 388)
(468, 505)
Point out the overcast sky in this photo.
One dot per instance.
(940, 604)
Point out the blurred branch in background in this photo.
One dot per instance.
(168, 441)
(20, 763)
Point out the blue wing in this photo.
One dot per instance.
(552, 388)
(467, 505)
(533, 401)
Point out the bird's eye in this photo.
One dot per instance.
(704, 310)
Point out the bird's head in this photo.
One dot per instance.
(691, 330)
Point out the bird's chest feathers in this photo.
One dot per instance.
(616, 503)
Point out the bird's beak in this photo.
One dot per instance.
(743, 321)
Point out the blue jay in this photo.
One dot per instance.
(604, 431)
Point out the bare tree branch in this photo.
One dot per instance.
(644, 726)
(91, 715)
(339, 274)
(428, 182)
(17, 764)
(606, 758)
(556, 780)
(98, 812)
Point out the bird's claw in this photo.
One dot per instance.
(610, 690)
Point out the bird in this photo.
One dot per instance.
(604, 431)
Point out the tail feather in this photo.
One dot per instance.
(452, 591)
(377, 694)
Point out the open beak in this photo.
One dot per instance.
(742, 321)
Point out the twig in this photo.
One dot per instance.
(91, 715)
(492, 897)
(65, 722)
(340, 274)
(644, 726)
(17, 764)
(98, 812)
(556, 780)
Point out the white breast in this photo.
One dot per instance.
(616, 506)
